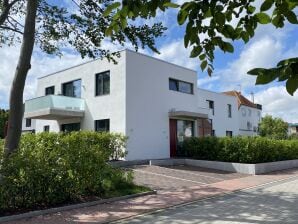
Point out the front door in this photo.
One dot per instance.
(179, 130)
(173, 137)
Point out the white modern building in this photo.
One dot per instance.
(155, 103)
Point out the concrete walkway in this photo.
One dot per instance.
(164, 199)
(276, 203)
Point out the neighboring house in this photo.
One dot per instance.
(155, 103)
(250, 114)
(293, 128)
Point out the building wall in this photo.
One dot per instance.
(110, 106)
(220, 120)
(249, 119)
(148, 101)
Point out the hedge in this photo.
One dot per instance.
(241, 149)
(51, 169)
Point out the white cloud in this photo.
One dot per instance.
(278, 103)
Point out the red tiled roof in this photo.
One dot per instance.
(241, 99)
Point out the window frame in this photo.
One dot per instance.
(28, 122)
(96, 83)
(229, 110)
(62, 88)
(46, 128)
(213, 108)
(178, 86)
(231, 133)
(107, 125)
(50, 87)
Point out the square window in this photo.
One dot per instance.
(102, 125)
(50, 90)
(46, 128)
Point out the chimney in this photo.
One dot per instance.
(252, 97)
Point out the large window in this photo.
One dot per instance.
(28, 122)
(50, 90)
(185, 129)
(180, 86)
(71, 127)
(72, 89)
(229, 110)
(102, 81)
(102, 125)
(211, 105)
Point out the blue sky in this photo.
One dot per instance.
(267, 47)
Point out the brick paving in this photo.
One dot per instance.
(163, 199)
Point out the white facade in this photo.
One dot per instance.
(220, 119)
(139, 105)
(249, 119)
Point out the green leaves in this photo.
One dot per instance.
(286, 70)
(263, 18)
(267, 4)
(110, 8)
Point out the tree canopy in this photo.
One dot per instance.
(212, 24)
(274, 128)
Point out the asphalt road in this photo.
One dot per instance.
(270, 204)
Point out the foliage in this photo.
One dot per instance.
(241, 149)
(3, 120)
(215, 24)
(80, 25)
(52, 168)
(274, 128)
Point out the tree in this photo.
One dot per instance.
(211, 24)
(3, 120)
(54, 27)
(274, 128)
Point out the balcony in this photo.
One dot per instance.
(53, 107)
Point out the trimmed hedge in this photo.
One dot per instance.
(51, 169)
(241, 149)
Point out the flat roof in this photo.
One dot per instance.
(164, 61)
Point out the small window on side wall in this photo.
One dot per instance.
(229, 133)
(102, 125)
(46, 128)
(102, 83)
(28, 123)
(50, 90)
(229, 110)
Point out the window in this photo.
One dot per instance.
(229, 110)
(180, 86)
(72, 89)
(229, 133)
(28, 123)
(71, 127)
(102, 83)
(185, 129)
(211, 105)
(46, 128)
(102, 125)
(213, 133)
(50, 90)
(249, 125)
(204, 127)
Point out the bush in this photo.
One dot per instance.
(241, 149)
(52, 168)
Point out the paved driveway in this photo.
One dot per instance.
(176, 177)
(273, 204)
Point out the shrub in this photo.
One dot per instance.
(52, 168)
(241, 149)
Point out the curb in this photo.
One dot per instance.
(154, 211)
(70, 207)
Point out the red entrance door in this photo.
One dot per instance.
(173, 137)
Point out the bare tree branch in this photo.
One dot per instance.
(12, 29)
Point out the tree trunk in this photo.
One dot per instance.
(16, 93)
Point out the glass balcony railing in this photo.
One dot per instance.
(54, 102)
